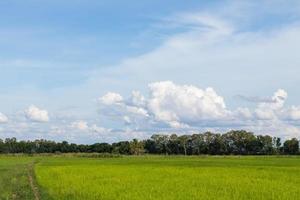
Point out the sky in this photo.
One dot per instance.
(104, 71)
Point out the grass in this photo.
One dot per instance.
(158, 177)
(133, 178)
(14, 182)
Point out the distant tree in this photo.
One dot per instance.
(198, 144)
(239, 142)
(183, 141)
(10, 145)
(173, 145)
(291, 146)
(136, 147)
(161, 143)
(217, 145)
(277, 145)
(101, 148)
(2, 146)
(209, 139)
(150, 146)
(265, 143)
(122, 147)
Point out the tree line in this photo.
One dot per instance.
(231, 143)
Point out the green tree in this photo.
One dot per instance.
(183, 141)
(291, 146)
(136, 147)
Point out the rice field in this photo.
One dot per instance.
(14, 178)
(155, 177)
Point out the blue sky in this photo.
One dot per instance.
(112, 70)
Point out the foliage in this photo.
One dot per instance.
(291, 146)
(231, 143)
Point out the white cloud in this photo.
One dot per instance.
(185, 107)
(274, 127)
(80, 125)
(114, 106)
(184, 104)
(207, 56)
(176, 105)
(292, 113)
(127, 120)
(97, 129)
(3, 118)
(36, 114)
(137, 110)
(203, 21)
(243, 113)
(137, 99)
(111, 98)
(272, 110)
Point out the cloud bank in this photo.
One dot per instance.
(185, 107)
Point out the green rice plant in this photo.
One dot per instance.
(156, 177)
(14, 178)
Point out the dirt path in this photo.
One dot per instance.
(32, 184)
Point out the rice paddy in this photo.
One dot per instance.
(152, 177)
(14, 178)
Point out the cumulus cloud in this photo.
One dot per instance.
(183, 107)
(175, 105)
(36, 114)
(130, 111)
(271, 110)
(3, 118)
(184, 104)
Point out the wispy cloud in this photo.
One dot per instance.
(255, 99)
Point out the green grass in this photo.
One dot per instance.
(133, 178)
(14, 182)
(153, 177)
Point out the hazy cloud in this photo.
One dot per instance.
(80, 125)
(3, 118)
(36, 114)
(254, 99)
